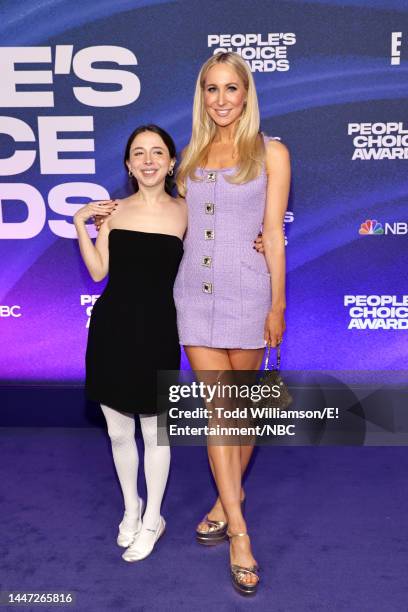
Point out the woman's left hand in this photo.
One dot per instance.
(274, 327)
(258, 243)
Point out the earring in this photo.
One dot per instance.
(170, 172)
(130, 173)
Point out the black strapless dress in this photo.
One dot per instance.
(133, 326)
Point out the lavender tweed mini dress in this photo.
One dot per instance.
(222, 290)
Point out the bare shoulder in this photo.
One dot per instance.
(178, 217)
(181, 207)
(276, 149)
(180, 202)
(121, 202)
(108, 222)
(277, 156)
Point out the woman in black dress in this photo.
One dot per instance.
(133, 328)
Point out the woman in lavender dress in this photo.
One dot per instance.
(230, 300)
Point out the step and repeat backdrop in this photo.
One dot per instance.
(332, 80)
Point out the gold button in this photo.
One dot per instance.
(206, 261)
(211, 177)
(209, 208)
(209, 234)
(207, 287)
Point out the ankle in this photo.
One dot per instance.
(133, 509)
(132, 512)
(150, 522)
(218, 504)
(237, 526)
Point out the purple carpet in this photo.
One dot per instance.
(329, 528)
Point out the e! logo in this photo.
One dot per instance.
(395, 48)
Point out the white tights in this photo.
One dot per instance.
(121, 430)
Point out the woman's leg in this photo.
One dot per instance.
(243, 360)
(226, 460)
(246, 359)
(121, 430)
(156, 467)
(240, 359)
(217, 512)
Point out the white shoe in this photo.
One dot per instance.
(136, 552)
(130, 528)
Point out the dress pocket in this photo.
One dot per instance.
(255, 284)
(256, 262)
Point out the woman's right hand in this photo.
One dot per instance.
(101, 209)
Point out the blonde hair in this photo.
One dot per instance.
(250, 148)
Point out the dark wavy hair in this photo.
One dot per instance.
(168, 141)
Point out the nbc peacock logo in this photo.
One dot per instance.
(371, 227)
